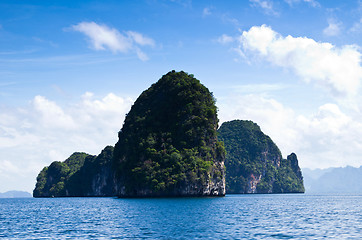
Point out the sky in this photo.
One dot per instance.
(71, 70)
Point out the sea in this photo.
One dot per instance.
(284, 216)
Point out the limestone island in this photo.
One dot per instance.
(170, 146)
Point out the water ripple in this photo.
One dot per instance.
(290, 216)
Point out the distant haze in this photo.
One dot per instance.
(333, 180)
(15, 194)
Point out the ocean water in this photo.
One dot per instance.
(289, 216)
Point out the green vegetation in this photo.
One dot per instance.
(168, 140)
(51, 180)
(168, 146)
(254, 163)
(74, 176)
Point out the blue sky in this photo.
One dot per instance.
(70, 70)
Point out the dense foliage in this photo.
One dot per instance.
(168, 146)
(254, 163)
(168, 139)
(95, 177)
(75, 176)
(51, 180)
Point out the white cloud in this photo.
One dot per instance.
(337, 69)
(259, 88)
(225, 39)
(140, 39)
(275, 119)
(44, 131)
(102, 38)
(333, 29)
(327, 138)
(141, 55)
(51, 115)
(333, 137)
(313, 3)
(266, 5)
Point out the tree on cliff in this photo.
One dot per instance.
(168, 143)
(80, 175)
(254, 164)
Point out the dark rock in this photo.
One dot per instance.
(168, 144)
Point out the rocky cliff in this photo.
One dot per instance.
(168, 144)
(80, 175)
(254, 164)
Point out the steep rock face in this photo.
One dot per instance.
(80, 175)
(95, 178)
(168, 144)
(254, 164)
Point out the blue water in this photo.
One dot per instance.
(291, 216)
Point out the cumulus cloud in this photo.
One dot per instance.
(44, 131)
(51, 115)
(333, 28)
(275, 119)
(103, 37)
(333, 137)
(266, 5)
(334, 68)
(327, 138)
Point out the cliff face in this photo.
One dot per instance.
(254, 164)
(168, 144)
(95, 177)
(80, 175)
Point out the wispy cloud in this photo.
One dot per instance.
(337, 69)
(312, 3)
(357, 26)
(225, 39)
(206, 12)
(102, 37)
(265, 5)
(333, 28)
(183, 3)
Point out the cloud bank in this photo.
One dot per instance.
(34, 136)
(327, 138)
(334, 68)
(102, 37)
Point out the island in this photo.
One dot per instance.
(170, 146)
(254, 163)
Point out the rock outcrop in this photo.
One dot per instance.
(168, 147)
(168, 144)
(81, 175)
(254, 164)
